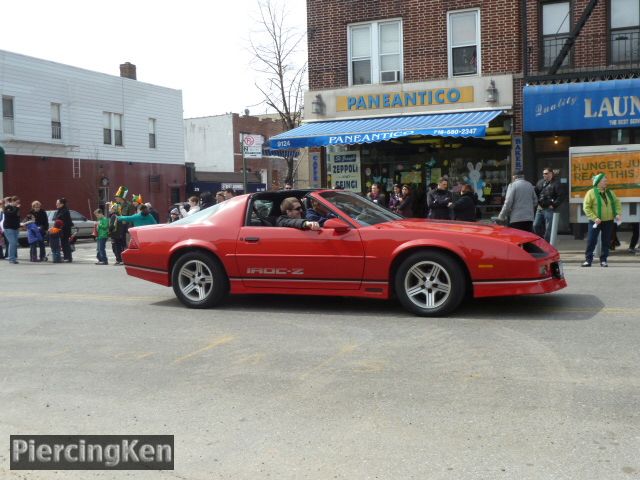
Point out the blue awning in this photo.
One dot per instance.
(348, 132)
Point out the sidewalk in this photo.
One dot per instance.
(572, 250)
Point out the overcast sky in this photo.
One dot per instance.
(197, 46)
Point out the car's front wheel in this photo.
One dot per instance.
(430, 283)
(199, 281)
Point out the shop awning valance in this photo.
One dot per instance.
(369, 130)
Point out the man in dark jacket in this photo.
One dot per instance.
(550, 197)
(464, 208)
(62, 213)
(438, 201)
(292, 216)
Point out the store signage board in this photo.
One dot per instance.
(582, 106)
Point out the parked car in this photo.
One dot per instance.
(366, 251)
(82, 226)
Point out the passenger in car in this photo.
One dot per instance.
(318, 212)
(292, 216)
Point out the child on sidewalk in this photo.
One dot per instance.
(103, 234)
(55, 233)
(34, 237)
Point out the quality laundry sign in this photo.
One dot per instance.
(582, 106)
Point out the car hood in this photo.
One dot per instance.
(498, 232)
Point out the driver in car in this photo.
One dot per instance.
(292, 217)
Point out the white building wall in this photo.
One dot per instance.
(209, 143)
(84, 96)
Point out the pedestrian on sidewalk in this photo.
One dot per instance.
(520, 203)
(11, 225)
(55, 232)
(34, 237)
(101, 240)
(549, 192)
(634, 238)
(116, 233)
(602, 207)
(62, 213)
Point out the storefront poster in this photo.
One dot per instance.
(344, 169)
(621, 165)
(580, 106)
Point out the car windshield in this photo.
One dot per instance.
(360, 209)
(202, 215)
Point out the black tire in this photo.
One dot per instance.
(430, 284)
(199, 281)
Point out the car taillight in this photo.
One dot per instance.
(133, 243)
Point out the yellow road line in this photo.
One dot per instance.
(215, 343)
(343, 351)
(78, 296)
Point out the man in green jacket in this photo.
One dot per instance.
(603, 208)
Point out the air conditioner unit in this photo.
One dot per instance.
(390, 76)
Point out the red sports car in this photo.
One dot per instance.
(362, 250)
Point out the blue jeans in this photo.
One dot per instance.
(542, 223)
(605, 228)
(12, 240)
(102, 253)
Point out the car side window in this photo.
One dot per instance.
(260, 210)
(77, 217)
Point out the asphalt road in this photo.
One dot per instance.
(540, 387)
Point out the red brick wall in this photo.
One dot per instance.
(425, 36)
(49, 178)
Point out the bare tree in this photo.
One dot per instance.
(282, 81)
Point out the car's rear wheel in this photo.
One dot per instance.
(199, 281)
(430, 283)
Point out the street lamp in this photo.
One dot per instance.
(317, 106)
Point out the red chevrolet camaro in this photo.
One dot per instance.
(362, 250)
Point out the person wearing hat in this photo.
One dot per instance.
(520, 203)
(602, 207)
(174, 215)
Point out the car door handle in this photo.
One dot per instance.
(252, 239)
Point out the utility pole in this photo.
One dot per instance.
(244, 165)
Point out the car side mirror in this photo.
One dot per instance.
(337, 224)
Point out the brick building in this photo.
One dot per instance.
(407, 91)
(585, 96)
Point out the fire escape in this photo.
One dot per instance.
(614, 55)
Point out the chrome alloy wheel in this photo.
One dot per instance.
(427, 285)
(195, 280)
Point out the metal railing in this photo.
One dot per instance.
(56, 130)
(615, 51)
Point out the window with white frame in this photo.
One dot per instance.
(7, 115)
(152, 133)
(464, 42)
(625, 31)
(556, 25)
(56, 125)
(375, 52)
(112, 128)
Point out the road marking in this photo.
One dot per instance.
(343, 351)
(214, 344)
(132, 355)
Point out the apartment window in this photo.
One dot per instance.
(112, 128)
(56, 126)
(464, 42)
(375, 52)
(556, 25)
(7, 115)
(152, 133)
(625, 31)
